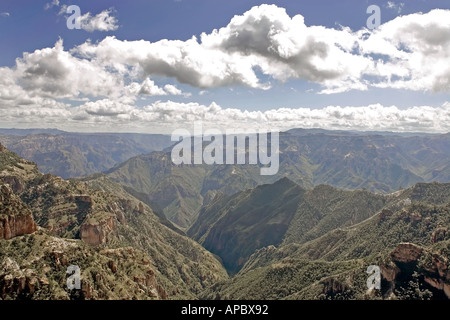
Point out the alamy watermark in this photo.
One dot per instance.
(374, 280)
(74, 280)
(374, 20)
(240, 147)
(73, 21)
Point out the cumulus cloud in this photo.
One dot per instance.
(265, 38)
(414, 49)
(410, 52)
(54, 72)
(417, 51)
(376, 117)
(187, 61)
(286, 48)
(166, 116)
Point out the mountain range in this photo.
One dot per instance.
(149, 229)
(378, 163)
(69, 154)
(124, 250)
(405, 234)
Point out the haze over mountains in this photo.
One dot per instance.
(379, 163)
(340, 202)
(69, 154)
(350, 160)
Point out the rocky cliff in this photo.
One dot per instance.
(96, 229)
(15, 217)
(40, 272)
(431, 267)
(104, 216)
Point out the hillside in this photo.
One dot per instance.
(379, 163)
(78, 154)
(34, 266)
(233, 227)
(103, 215)
(408, 239)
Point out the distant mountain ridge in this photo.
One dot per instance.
(378, 163)
(279, 240)
(69, 155)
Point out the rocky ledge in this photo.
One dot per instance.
(16, 218)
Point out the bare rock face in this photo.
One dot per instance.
(83, 201)
(333, 287)
(406, 253)
(16, 218)
(13, 279)
(145, 279)
(438, 235)
(14, 183)
(95, 231)
(121, 273)
(434, 267)
(437, 273)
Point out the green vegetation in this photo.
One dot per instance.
(332, 266)
(41, 262)
(111, 218)
(280, 238)
(77, 154)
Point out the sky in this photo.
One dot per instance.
(156, 66)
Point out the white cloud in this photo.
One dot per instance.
(5, 14)
(286, 48)
(103, 21)
(416, 50)
(147, 87)
(112, 74)
(170, 115)
(54, 3)
(165, 116)
(172, 89)
(264, 37)
(394, 6)
(54, 72)
(417, 47)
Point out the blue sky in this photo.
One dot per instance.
(27, 26)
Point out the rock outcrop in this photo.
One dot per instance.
(438, 235)
(15, 217)
(95, 229)
(406, 253)
(122, 273)
(432, 267)
(437, 273)
(14, 280)
(14, 183)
